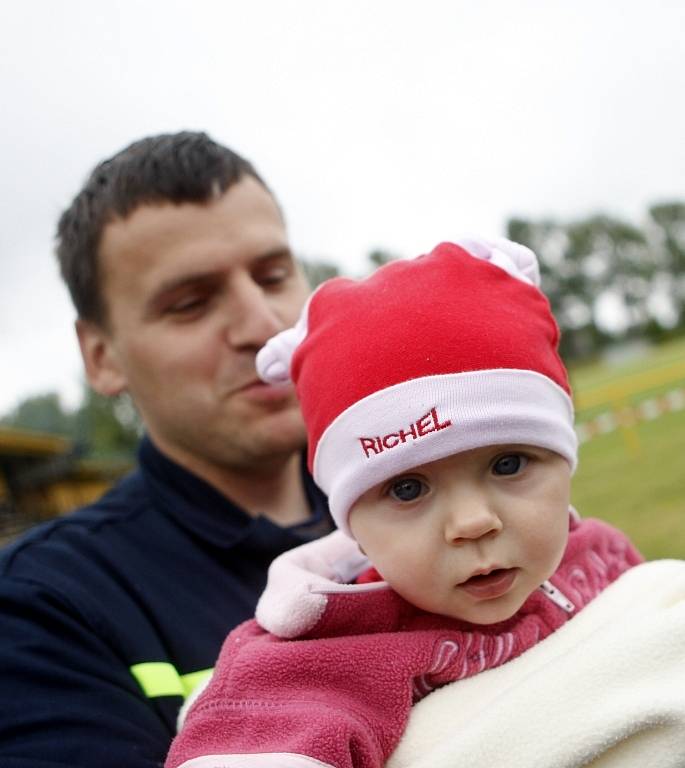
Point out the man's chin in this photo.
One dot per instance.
(278, 432)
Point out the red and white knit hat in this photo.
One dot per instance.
(425, 358)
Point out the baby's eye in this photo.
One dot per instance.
(406, 489)
(510, 464)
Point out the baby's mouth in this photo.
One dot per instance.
(487, 586)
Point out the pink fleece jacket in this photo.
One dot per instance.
(335, 689)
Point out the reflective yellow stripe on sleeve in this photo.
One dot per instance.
(159, 678)
(193, 679)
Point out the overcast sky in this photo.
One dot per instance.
(378, 123)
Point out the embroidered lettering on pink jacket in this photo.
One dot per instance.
(429, 422)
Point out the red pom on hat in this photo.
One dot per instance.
(425, 358)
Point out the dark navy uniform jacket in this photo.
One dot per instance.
(110, 616)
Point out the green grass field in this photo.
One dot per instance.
(634, 477)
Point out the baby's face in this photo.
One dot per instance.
(470, 536)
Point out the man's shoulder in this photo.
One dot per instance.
(79, 534)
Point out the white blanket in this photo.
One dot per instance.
(605, 690)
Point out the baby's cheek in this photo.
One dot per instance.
(409, 578)
(555, 546)
(546, 545)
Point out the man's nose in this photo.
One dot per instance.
(252, 318)
(469, 517)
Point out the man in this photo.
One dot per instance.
(177, 260)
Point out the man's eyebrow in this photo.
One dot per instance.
(274, 253)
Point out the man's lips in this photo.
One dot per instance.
(487, 586)
(259, 391)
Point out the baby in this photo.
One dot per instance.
(440, 425)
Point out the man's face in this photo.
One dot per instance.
(192, 292)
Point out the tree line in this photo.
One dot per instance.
(607, 279)
(99, 427)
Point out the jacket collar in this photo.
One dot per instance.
(201, 509)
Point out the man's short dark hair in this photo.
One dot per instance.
(175, 168)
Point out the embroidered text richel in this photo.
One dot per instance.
(423, 426)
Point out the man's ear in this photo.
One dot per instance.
(100, 359)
